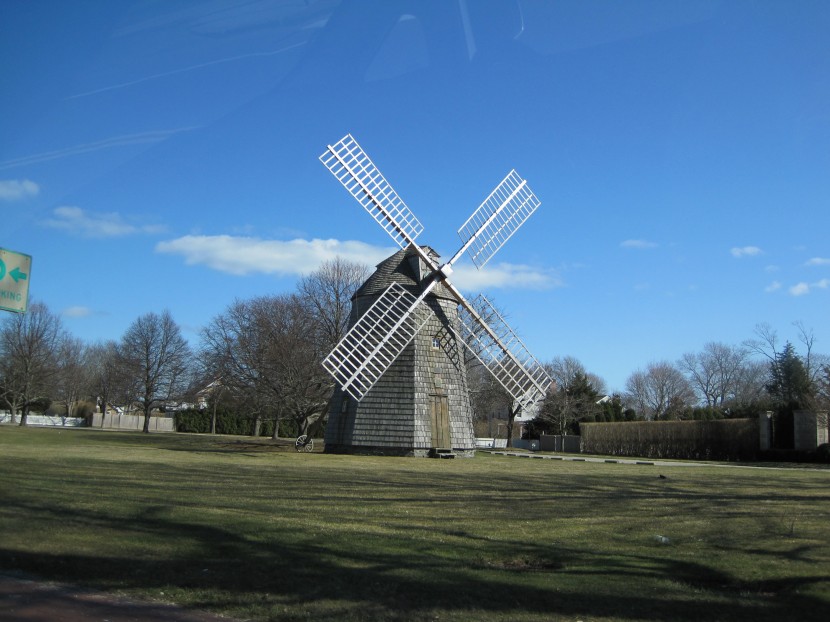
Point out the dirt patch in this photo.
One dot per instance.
(26, 600)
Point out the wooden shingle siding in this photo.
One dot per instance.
(394, 416)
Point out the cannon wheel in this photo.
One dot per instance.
(304, 443)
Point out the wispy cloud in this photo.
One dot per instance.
(503, 276)
(638, 244)
(181, 70)
(78, 222)
(78, 311)
(108, 143)
(745, 251)
(247, 255)
(16, 189)
(773, 287)
(818, 261)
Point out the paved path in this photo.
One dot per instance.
(22, 600)
(642, 461)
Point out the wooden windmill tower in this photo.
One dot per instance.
(400, 373)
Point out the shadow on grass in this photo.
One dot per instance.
(339, 539)
(281, 578)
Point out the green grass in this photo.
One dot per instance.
(257, 531)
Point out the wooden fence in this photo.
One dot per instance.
(114, 421)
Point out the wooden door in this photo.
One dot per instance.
(440, 418)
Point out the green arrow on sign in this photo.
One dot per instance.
(14, 290)
(17, 275)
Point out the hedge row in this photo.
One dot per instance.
(725, 439)
(227, 422)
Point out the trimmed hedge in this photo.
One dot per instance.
(227, 422)
(723, 439)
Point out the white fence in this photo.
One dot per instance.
(114, 421)
(491, 443)
(54, 420)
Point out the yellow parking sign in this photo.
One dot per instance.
(14, 280)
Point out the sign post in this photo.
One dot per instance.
(14, 280)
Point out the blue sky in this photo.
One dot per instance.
(164, 155)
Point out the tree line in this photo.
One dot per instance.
(259, 359)
(720, 381)
(259, 362)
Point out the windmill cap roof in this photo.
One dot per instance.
(404, 268)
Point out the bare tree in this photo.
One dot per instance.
(765, 342)
(326, 296)
(490, 400)
(28, 352)
(231, 351)
(573, 395)
(71, 377)
(750, 387)
(156, 357)
(814, 362)
(716, 372)
(268, 359)
(660, 391)
(105, 376)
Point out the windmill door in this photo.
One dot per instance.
(440, 419)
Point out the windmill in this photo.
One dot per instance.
(418, 293)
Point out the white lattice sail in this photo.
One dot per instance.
(501, 351)
(376, 340)
(497, 218)
(392, 322)
(352, 167)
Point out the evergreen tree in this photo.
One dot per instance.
(789, 384)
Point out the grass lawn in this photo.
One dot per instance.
(255, 531)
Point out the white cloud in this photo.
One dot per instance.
(246, 255)
(745, 251)
(818, 261)
(15, 189)
(773, 287)
(77, 312)
(504, 275)
(78, 222)
(800, 289)
(640, 244)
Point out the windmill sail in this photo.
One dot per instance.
(376, 340)
(392, 322)
(497, 218)
(501, 352)
(358, 174)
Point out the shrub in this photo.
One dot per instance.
(228, 422)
